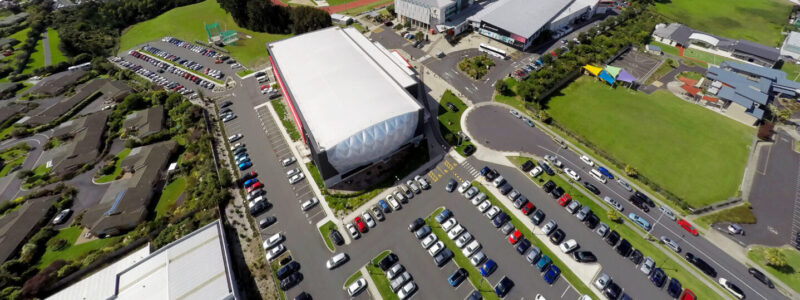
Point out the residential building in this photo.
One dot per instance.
(19, 225)
(104, 90)
(143, 123)
(84, 138)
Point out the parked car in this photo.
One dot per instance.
(671, 244)
(443, 257)
(336, 237)
(62, 216)
(451, 185)
(616, 205)
(543, 263)
(538, 217)
(569, 246)
(337, 260)
(488, 268)
(266, 222)
(658, 278)
(647, 266)
(503, 287)
(584, 256)
(357, 287)
(624, 248)
(701, 264)
(552, 274)
(674, 288)
(388, 261)
(457, 277)
(591, 188)
(309, 204)
(639, 221)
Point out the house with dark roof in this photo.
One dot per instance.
(98, 89)
(679, 35)
(19, 225)
(143, 123)
(124, 204)
(56, 84)
(13, 19)
(85, 137)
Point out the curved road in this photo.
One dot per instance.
(12, 188)
(494, 127)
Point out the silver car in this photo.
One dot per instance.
(647, 266)
(549, 227)
(602, 230)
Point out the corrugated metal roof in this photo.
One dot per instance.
(524, 17)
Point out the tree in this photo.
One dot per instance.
(783, 114)
(390, 9)
(306, 18)
(775, 258)
(614, 216)
(544, 116)
(502, 87)
(419, 36)
(630, 171)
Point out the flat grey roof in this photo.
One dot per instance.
(524, 17)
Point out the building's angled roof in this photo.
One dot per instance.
(757, 49)
(343, 84)
(523, 17)
(15, 226)
(145, 122)
(85, 145)
(676, 32)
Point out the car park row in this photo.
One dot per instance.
(218, 57)
(162, 67)
(366, 220)
(192, 65)
(153, 76)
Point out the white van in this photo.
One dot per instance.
(597, 175)
(336, 260)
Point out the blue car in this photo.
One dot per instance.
(241, 155)
(444, 215)
(658, 277)
(485, 171)
(250, 182)
(488, 268)
(543, 263)
(674, 289)
(605, 172)
(384, 206)
(245, 165)
(457, 277)
(639, 221)
(552, 274)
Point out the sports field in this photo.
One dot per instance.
(694, 153)
(757, 20)
(186, 23)
(55, 54)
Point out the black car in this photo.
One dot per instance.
(591, 221)
(287, 270)
(658, 278)
(701, 264)
(624, 248)
(457, 277)
(546, 168)
(291, 281)
(492, 174)
(548, 186)
(558, 236)
(443, 257)
(591, 188)
(761, 277)
(523, 245)
(674, 288)
(475, 295)
(416, 224)
(503, 287)
(336, 237)
(527, 166)
(612, 291)
(388, 261)
(636, 257)
(500, 219)
(259, 207)
(584, 256)
(303, 296)
(557, 192)
(469, 150)
(612, 238)
(225, 104)
(451, 185)
(643, 198)
(284, 261)
(505, 188)
(266, 222)
(538, 217)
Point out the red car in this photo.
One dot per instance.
(564, 200)
(687, 295)
(255, 186)
(528, 208)
(514, 237)
(360, 224)
(687, 226)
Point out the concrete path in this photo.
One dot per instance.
(46, 44)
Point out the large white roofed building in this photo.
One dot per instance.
(352, 100)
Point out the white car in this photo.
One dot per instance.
(422, 182)
(275, 252)
(357, 287)
(647, 266)
(587, 160)
(436, 248)
(399, 196)
(492, 212)
(292, 172)
(568, 246)
(471, 248)
(477, 258)
(572, 174)
(368, 219)
(671, 244)
(407, 290)
(479, 198)
(732, 288)
(235, 137)
(237, 145)
(309, 204)
(549, 227)
(668, 212)
(273, 241)
(449, 223)
(613, 203)
(536, 171)
(297, 178)
(455, 232)
(464, 186)
(394, 271)
(484, 206)
(515, 114)
(471, 192)
(352, 229)
(429, 240)
(395, 205)
(337, 260)
(288, 161)
(463, 239)
(625, 185)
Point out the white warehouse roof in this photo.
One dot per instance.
(100, 285)
(350, 92)
(523, 17)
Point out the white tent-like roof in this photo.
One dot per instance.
(708, 39)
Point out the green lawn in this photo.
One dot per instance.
(680, 146)
(691, 75)
(379, 277)
(647, 248)
(666, 48)
(790, 275)
(70, 234)
(5, 133)
(705, 56)
(169, 195)
(40, 170)
(324, 230)
(792, 71)
(368, 7)
(118, 169)
(662, 70)
(55, 54)
(757, 20)
(286, 119)
(738, 214)
(338, 2)
(473, 274)
(450, 122)
(250, 52)
(12, 158)
(36, 59)
(353, 278)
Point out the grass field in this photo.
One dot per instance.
(660, 72)
(738, 214)
(36, 59)
(666, 48)
(250, 52)
(286, 119)
(790, 275)
(11, 159)
(338, 2)
(55, 55)
(680, 146)
(368, 7)
(792, 71)
(169, 195)
(450, 122)
(117, 169)
(70, 234)
(324, 230)
(757, 20)
(705, 56)
(691, 75)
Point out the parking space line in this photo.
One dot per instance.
(565, 290)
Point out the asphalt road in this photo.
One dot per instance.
(496, 127)
(13, 184)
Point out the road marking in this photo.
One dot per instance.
(565, 291)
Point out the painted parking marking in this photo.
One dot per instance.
(565, 291)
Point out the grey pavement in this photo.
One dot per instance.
(475, 90)
(46, 48)
(36, 142)
(495, 127)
